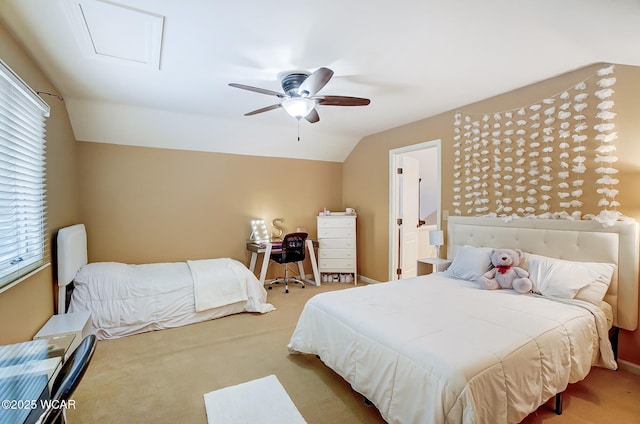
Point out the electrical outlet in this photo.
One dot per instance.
(445, 215)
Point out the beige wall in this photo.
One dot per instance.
(27, 306)
(147, 205)
(366, 176)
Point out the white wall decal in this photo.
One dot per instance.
(533, 159)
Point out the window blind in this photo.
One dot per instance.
(22, 178)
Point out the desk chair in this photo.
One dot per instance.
(68, 379)
(292, 251)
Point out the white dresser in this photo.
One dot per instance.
(337, 255)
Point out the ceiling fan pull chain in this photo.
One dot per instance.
(298, 128)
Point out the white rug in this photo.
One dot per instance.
(262, 401)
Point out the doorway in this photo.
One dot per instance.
(414, 205)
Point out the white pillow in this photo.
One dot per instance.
(595, 292)
(470, 263)
(562, 278)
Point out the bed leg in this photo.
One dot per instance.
(613, 338)
(558, 404)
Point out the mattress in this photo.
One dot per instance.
(128, 299)
(433, 349)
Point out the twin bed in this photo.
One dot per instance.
(438, 349)
(129, 299)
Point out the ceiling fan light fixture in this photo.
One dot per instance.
(299, 97)
(298, 107)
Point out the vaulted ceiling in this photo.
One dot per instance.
(156, 72)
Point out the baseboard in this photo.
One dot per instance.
(629, 366)
(367, 279)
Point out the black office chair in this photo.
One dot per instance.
(292, 251)
(68, 379)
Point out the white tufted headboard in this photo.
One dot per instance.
(564, 239)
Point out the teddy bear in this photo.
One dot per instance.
(506, 273)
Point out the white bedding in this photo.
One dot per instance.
(128, 299)
(437, 350)
(217, 282)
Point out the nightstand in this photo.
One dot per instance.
(436, 264)
(74, 323)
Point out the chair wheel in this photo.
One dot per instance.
(304, 286)
(270, 287)
(286, 291)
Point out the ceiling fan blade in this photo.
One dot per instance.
(264, 109)
(315, 82)
(341, 101)
(257, 89)
(313, 116)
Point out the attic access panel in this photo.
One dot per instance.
(111, 31)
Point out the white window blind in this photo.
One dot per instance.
(22, 178)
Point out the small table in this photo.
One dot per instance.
(74, 323)
(27, 370)
(267, 248)
(437, 265)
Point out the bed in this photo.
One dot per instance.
(438, 349)
(126, 299)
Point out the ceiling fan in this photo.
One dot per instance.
(299, 98)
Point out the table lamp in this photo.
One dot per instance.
(436, 238)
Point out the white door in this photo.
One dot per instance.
(409, 212)
(401, 198)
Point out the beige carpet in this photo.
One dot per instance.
(161, 376)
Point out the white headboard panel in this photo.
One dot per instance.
(72, 255)
(564, 239)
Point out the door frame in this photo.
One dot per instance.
(394, 154)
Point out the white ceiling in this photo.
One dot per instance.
(156, 72)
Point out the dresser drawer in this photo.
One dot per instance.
(331, 264)
(337, 222)
(337, 253)
(336, 233)
(337, 243)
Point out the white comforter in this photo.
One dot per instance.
(438, 350)
(128, 299)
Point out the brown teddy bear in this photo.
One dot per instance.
(505, 273)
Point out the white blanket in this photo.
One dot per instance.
(217, 282)
(438, 350)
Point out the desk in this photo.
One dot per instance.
(267, 249)
(27, 371)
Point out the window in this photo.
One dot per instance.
(22, 178)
